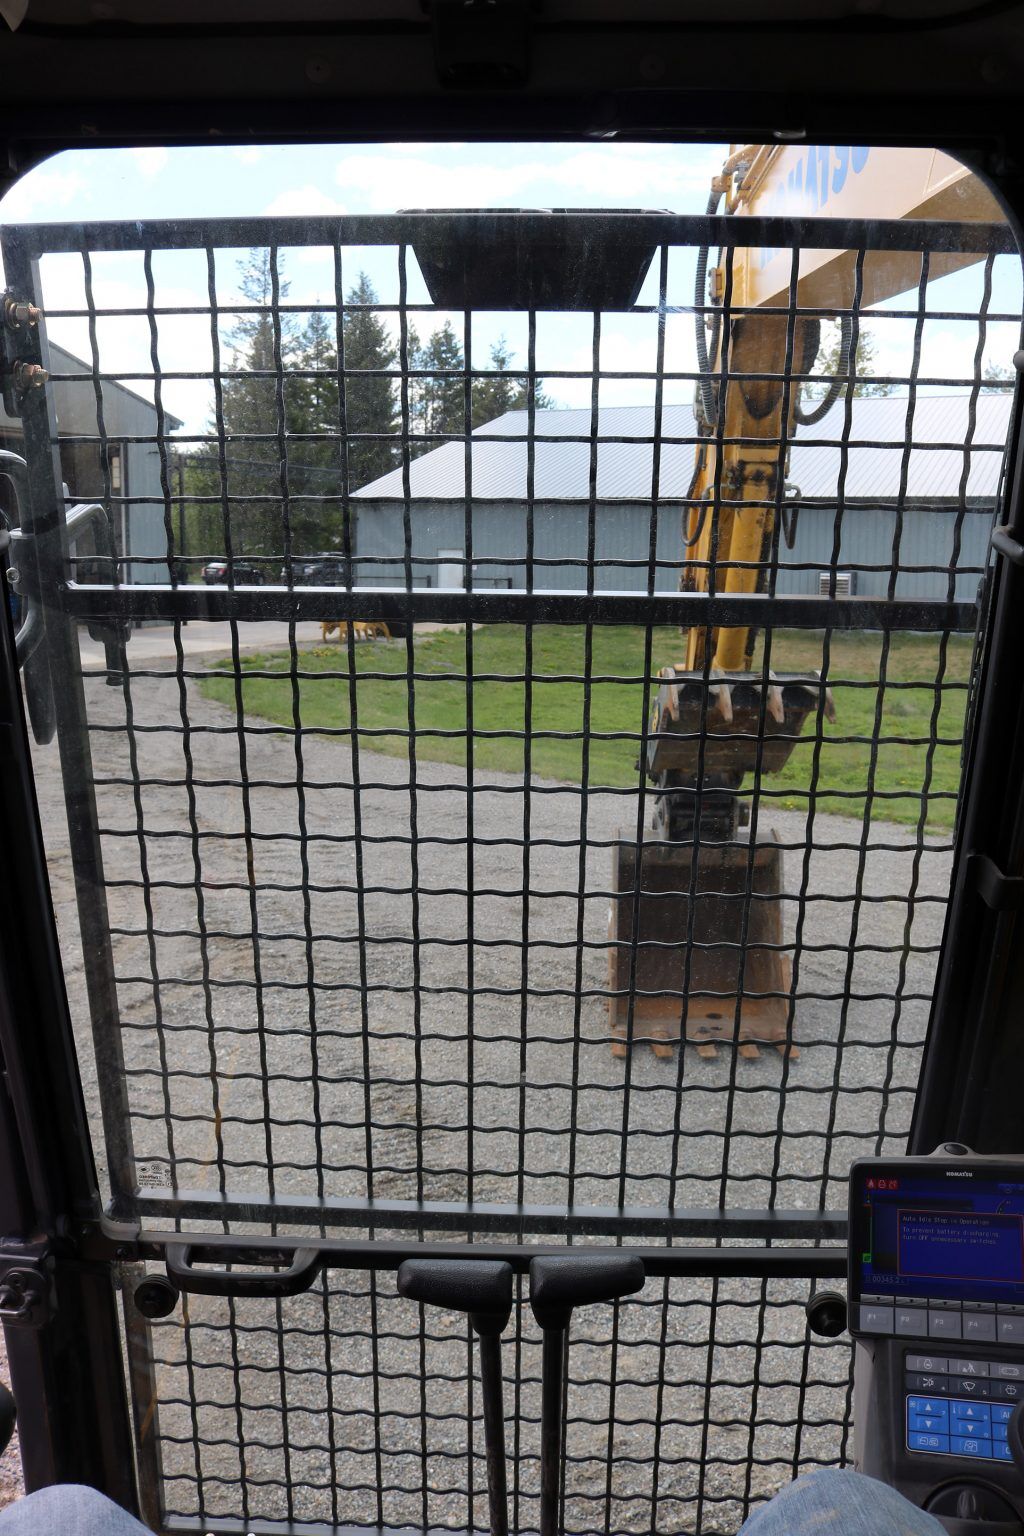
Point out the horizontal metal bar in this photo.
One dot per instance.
(481, 1216)
(457, 606)
(755, 1261)
(329, 230)
(210, 1525)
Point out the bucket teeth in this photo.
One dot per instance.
(665, 1050)
(730, 722)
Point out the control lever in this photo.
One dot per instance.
(558, 1283)
(482, 1288)
(1015, 1437)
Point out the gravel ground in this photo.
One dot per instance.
(697, 1128)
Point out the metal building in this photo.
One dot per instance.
(133, 466)
(920, 474)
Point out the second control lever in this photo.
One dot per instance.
(482, 1288)
(558, 1283)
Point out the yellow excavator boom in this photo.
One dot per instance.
(840, 181)
(716, 719)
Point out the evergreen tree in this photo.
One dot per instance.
(493, 396)
(316, 455)
(314, 458)
(440, 396)
(437, 397)
(369, 401)
(996, 379)
(251, 424)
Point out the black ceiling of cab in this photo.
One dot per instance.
(240, 13)
(100, 72)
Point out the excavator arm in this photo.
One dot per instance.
(716, 719)
(741, 478)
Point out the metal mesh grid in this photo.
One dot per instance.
(346, 957)
(685, 1407)
(379, 1088)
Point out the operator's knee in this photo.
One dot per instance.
(840, 1503)
(70, 1508)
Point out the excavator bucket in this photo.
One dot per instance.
(745, 726)
(723, 978)
(697, 940)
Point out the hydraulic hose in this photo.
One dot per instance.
(708, 404)
(706, 392)
(838, 384)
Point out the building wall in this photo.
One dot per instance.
(139, 514)
(622, 535)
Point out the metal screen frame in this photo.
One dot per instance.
(133, 1225)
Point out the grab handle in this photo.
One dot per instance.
(299, 1276)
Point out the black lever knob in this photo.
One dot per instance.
(560, 1282)
(1015, 1437)
(480, 1287)
(826, 1314)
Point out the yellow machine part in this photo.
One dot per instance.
(697, 932)
(362, 629)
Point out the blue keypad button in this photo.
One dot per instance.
(1002, 1413)
(998, 1431)
(969, 1413)
(969, 1445)
(933, 1407)
(1001, 1451)
(923, 1423)
(916, 1441)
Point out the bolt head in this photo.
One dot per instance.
(29, 376)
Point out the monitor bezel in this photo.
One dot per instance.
(974, 1167)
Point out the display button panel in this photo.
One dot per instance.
(937, 1250)
(958, 1407)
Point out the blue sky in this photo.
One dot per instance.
(204, 182)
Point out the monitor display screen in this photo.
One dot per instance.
(955, 1233)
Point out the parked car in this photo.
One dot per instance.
(329, 570)
(246, 573)
(323, 570)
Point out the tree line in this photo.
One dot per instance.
(282, 378)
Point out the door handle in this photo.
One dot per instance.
(299, 1276)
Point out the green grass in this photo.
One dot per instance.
(617, 707)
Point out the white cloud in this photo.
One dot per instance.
(606, 175)
(248, 154)
(183, 341)
(629, 349)
(302, 200)
(947, 350)
(42, 194)
(150, 159)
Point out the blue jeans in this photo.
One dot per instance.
(70, 1510)
(835, 1504)
(823, 1504)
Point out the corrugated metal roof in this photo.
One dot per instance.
(562, 469)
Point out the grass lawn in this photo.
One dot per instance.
(617, 706)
